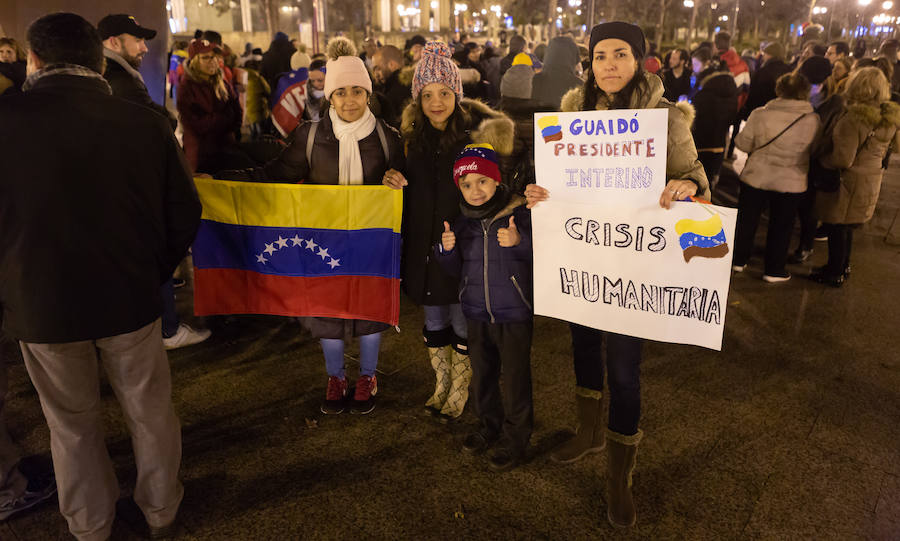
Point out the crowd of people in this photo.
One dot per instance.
(450, 124)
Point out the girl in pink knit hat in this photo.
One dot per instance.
(436, 126)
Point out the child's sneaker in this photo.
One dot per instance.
(364, 397)
(335, 396)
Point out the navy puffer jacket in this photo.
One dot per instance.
(495, 282)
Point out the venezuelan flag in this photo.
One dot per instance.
(702, 238)
(298, 250)
(550, 128)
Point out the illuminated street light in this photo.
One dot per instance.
(559, 10)
(887, 5)
(724, 18)
(865, 2)
(688, 3)
(435, 4)
(577, 12)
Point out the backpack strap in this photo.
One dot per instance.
(310, 139)
(384, 143)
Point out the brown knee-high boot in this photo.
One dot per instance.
(590, 436)
(621, 453)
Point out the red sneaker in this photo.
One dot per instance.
(364, 397)
(335, 396)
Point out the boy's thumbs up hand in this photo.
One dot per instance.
(509, 236)
(448, 238)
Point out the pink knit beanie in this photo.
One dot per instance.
(436, 66)
(344, 68)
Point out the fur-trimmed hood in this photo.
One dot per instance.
(886, 114)
(406, 75)
(573, 100)
(490, 126)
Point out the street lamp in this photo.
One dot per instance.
(887, 5)
(688, 3)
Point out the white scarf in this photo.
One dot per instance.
(349, 134)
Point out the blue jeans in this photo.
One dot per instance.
(438, 318)
(170, 321)
(623, 365)
(333, 349)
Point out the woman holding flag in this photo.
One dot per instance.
(617, 80)
(347, 146)
(436, 126)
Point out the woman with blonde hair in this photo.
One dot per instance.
(12, 66)
(861, 139)
(210, 112)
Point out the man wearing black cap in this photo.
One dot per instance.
(124, 48)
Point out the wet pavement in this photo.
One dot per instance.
(790, 432)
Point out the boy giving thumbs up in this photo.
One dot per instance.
(489, 248)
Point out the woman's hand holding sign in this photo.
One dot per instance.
(534, 194)
(448, 238)
(676, 190)
(509, 236)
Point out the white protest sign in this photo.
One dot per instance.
(607, 255)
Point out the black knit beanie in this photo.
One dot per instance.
(629, 33)
(816, 69)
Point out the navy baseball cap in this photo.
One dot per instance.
(116, 25)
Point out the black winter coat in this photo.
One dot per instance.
(393, 96)
(291, 165)
(676, 86)
(495, 282)
(92, 219)
(762, 85)
(716, 107)
(519, 166)
(124, 85)
(431, 197)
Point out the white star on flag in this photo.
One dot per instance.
(334, 263)
(281, 242)
(311, 244)
(270, 249)
(323, 252)
(297, 240)
(261, 259)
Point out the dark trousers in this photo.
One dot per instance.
(782, 209)
(623, 365)
(712, 164)
(170, 321)
(496, 348)
(840, 242)
(806, 211)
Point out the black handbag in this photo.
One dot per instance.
(823, 179)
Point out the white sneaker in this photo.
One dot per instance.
(738, 268)
(773, 279)
(186, 336)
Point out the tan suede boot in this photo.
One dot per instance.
(590, 436)
(440, 361)
(460, 376)
(622, 454)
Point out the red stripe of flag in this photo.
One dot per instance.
(234, 291)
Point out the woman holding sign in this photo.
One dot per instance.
(617, 80)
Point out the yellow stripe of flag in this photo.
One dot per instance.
(706, 228)
(300, 205)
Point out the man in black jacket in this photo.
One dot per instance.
(94, 216)
(124, 48)
(392, 92)
(762, 85)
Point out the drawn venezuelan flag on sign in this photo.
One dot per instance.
(298, 250)
(702, 238)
